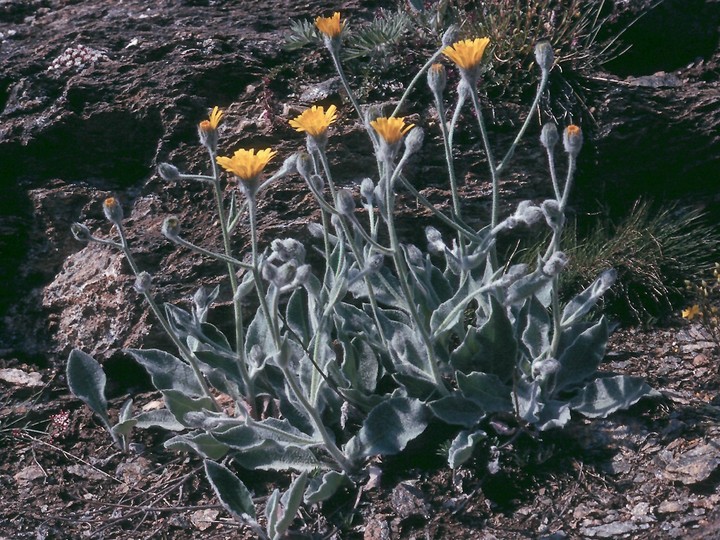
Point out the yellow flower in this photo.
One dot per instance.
(246, 164)
(214, 120)
(467, 53)
(391, 129)
(315, 121)
(330, 26)
(691, 312)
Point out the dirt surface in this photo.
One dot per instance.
(71, 135)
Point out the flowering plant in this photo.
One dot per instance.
(362, 355)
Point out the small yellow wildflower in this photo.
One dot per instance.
(214, 120)
(246, 164)
(315, 121)
(330, 26)
(691, 312)
(112, 210)
(391, 129)
(467, 53)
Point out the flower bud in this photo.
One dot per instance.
(374, 262)
(528, 213)
(542, 369)
(168, 172)
(451, 35)
(414, 140)
(414, 255)
(572, 140)
(302, 274)
(80, 232)
(317, 182)
(304, 164)
(113, 211)
(286, 274)
(544, 55)
(549, 136)
(435, 241)
(171, 228)
(553, 214)
(288, 249)
(437, 79)
(269, 272)
(315, 230)
(143, 282)
(367, 188)
(344, 202)
(555, 264)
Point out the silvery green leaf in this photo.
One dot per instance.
(490, 349)
(528, 401)
(579, 306)
(87, 380)
(322, 487)
(389, 428)
(281, 431)
(259, 334)
(447, 308)
(297, 315)
(270, 455)
(523, 288)
(204, 444)
(224, 361)
(605, 395)
(535, 325)
(214, 337)
(179, 404)
(360, 365)
(288, 507)
(415, 382)
(125, 420)
(580, 360)
(463, 446)
(166, 371)
(230, 490)
(383, 294)
(487, 391)
(161, 418)
(554, 414)
(272, 511)
(181, 322)
(457, 410)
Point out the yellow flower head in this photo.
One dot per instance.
(467, 53)
(246, 164)
(391, 129)
(315, 121)
(330, 26)
(213, 122)
(691, 312)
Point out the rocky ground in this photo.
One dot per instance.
(94, 94)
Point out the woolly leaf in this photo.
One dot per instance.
(230, 491)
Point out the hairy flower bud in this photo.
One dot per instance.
(549, 136)
(367, 190)
(143, 282)
(374, 262)
(528, 213)
(414, 255)
(302, 274)
(288, 249)
(435, 241)
(171, 228)
(317, 182)
(555, 264)
(437, 79)
(269, 272)
(544, 55)
(113, 211)
(80, 232)
(289, 166)
(344, 202)
(168, 172)
(572, 140)
(553, 214)
(544, 368)
(414, 140)
(451, 35)
(304, 164)
(315, 230)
